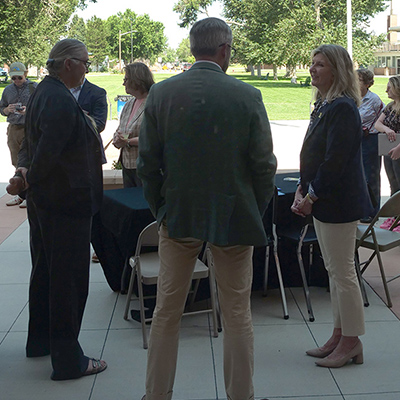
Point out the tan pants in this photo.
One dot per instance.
(337, 243)
(15, 136)
(233, 268)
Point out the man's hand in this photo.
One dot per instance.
(18, 182)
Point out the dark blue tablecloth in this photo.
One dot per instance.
(125, 212)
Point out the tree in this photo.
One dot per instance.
(149, 40)
(169, 55)
(283, 32)
(183, 51)
(77, 29)
(96, 40)
(29, 28)
(189, 9)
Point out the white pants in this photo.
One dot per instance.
(233, 269)
(337, 244)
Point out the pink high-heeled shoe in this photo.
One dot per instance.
(355, 354)
(319, 352)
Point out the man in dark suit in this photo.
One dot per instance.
(60, 165)
(206, 162)
(93, 100)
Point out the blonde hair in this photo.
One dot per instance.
(140, 76)
(394, 83)
(345, 80)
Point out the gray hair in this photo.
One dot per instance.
(66, 48)
(207, 35)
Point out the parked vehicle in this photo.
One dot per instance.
(186, 66)
(3, 75)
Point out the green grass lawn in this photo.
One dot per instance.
(283, 100)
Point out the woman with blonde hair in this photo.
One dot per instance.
(138, 81)
(332, 188)
(389, 123)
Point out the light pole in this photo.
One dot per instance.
(131, 43)
(119, 41)
(349, 30)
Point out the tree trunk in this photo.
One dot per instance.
(290, 71)
(275, 72)
(259, 70)
(251, 69)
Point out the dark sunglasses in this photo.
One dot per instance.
(17, 77)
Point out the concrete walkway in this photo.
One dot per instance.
(282, 370)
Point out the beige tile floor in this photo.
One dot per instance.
(282, 370)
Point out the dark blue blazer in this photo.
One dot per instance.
(93, 99)
(62, 152)
(330, 160)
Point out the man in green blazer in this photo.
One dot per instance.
(206, 162)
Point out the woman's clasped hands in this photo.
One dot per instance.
(301, 204)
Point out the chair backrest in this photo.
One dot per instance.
(392, 206)
(148, 237)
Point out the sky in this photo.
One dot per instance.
(161, 10)
(158, 10)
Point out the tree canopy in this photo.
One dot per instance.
(148, 37)
(283, 32)
(29, 28)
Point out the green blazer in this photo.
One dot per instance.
(205, 157)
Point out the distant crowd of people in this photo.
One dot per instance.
(200, 144)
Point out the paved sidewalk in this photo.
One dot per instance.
(282, 370)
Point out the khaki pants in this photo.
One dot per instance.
(15, 136)
(233, 268)
(337, 244)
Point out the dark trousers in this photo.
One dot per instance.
(372, 168)
(392, 168)
(60, 253)
(130, 178)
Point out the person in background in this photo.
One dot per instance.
(93, 101)
(207, 166)
(389, 123)
(333, 189)
(370, 110)
(13, 104)
(60, 166)
(138, 81)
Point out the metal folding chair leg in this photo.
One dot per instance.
(281, 287)
(266, 269)
(280, 279)
(360, 279)
(305, 284)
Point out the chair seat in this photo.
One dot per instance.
(294, 235)
(386, 239)
(150, 267)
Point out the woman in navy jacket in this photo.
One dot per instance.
(333, 189)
